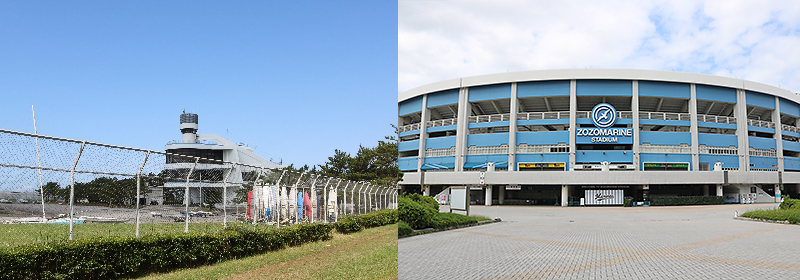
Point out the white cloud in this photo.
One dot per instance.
(754, 40)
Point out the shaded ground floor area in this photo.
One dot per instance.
(571, 195)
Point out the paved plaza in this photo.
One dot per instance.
(549, 242)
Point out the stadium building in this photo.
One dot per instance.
(556, 136)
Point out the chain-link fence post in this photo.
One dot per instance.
(186, 196)
(278, 199)
(39, 164)
(324, 212)
(312, 193)
(256, 191)
(345, 197)
(72, 189)
(139, 191)
(225, 197)
(294, 193)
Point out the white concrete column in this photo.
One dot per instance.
(776, 118)
(564, 195)
(719, 190)
(501, 195)
(741, 130)
(423, 132)
(488, 196)
(573, 108)
(693, 128)
(635, 110)
(512, 130)
(462, 128)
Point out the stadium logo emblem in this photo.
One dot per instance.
(604, 115)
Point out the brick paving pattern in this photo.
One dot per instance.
(548, 242)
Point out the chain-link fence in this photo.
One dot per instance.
(52, 180)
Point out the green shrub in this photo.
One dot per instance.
(789, 215)
(685, 200)
(403, 229)
(627, 202)
(126, 257)
(445, 220)
(414, 214)
(350, 224)
(788, 203)
(425, 201)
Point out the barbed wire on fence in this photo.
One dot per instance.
(46, 179)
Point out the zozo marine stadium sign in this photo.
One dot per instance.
(604, 116)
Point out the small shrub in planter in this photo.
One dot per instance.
(414, 214)
(403, 229)
(627, 202)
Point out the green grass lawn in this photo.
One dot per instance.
(12, 235)
(369, 254)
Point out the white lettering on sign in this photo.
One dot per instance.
(607, 135)
(605, 132)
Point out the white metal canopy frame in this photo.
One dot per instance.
(109, 183)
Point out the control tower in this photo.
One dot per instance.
(189, 127)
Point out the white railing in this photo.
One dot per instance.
(442, 122)
(408, 127)
(665, 116)
(763, 153)
(491, 150)
(761, 123)
(489, 118)
(539, 149)
(670, 149)
(703, 149)
(790, 128)
(542, 115)
(440, 152)
(716, 119)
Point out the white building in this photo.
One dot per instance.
(209, 146)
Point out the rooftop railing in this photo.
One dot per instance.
(665, 116)
(716, 119)
(790, 128)
(489, 118)
(442, 122)
(408, 127)
(542, 115)
(761, 123)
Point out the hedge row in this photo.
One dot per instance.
(445, 220)
(127, 257)
(350, 224)
(790, 215)
(685, 200)
(117, 257)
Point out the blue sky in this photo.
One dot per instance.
(295, 79)
(752, 40)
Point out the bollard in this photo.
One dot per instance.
(736, 213)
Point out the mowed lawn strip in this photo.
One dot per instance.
(12, 235)
(369, 254)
